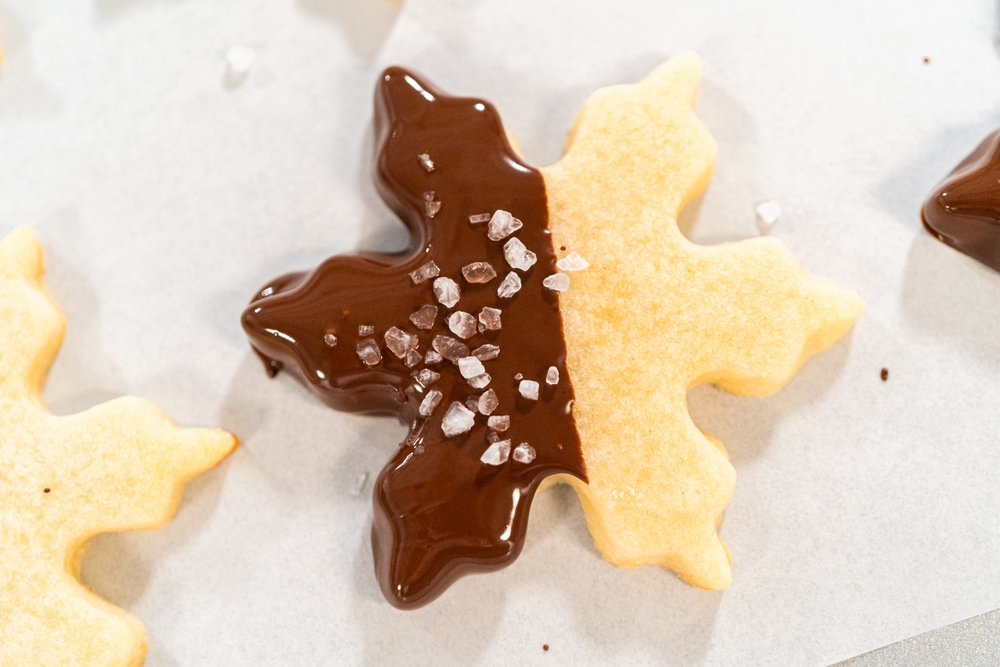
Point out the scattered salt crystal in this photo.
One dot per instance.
(446, 291)
(767, 214)
(528, 389)
(518, 377)
(486, 352)
(426, 162)
(502, 225)
(369, 352)
(462, 324)
(478, 272)
(517, 255)
(497, 453)
(572, 262)
(239, 61)
(510, 286)
(569, 406)
(330, 339)
(552, 376)
(489, 318)
(426, 377)
(470, 367)
(458, 419)
(432, 208)
(479, 217)
(359, 484)
(472, 403)
(366, 330)
(524, 453)
(399, 342)
(481, 327)
(488, 402)
(424, 273)
(499, 422)
(480, 381)
(557, 282)
(431, 401)
(432, 357)
(449, 348)
(424, 318)
(492, 437)
(413, 358)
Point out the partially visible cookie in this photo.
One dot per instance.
(118, 466)
(654, 315)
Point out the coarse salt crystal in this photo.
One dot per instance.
(489, 318)
(492, 437)
(767, 214)
(458, 419)
(432, 357)
(425, 273)
(479, 218)
(510, 286)
(426, 162)
(462, 324)
(368, 352)
(528, 389)
(449, 348)
(572, 262)
(524, 453)
(486, 352)
(470, 367)
(557, 282)
(366, 330)
(488, 402)
(480, 381)
(239, 61)
(552, 376)
(399, 342)
(426, 377)
(446, 291)
(499, 422)
(518, 256)
(497, 453)
(502, 225)
(431, 401)
(472, 403)
(413, 358)
(424, 318)
(479, 272)
(330, 339)
(432, 208)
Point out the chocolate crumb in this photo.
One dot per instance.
(885, 374)
(46, 490)
(545, 647)
(562, 247)
(927, 61)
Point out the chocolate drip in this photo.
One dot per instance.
(964, 210)
(440, 512)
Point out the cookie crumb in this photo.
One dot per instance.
(46, 490)
(927, 61)
(545, 647)
(884, 374)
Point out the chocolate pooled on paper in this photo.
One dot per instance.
(456, 336)
(964, 210)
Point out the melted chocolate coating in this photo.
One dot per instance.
(440, 512)
(964, 210)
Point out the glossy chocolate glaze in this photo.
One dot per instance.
(440, 512)
(964, 210)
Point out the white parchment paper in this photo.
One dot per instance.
(165, 194)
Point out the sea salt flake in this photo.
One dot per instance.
(767, 214)
(557, 282)
(426, 377)
(499, 422)
(330, 339)
(486, 352)
(426, 162)
(425, 273)
(489, 318)
(502, 225)
(431, 401)
(462, 324)
(480, 381)
(368, 352)
(481, 327)
(479, 272)
(446, 291)
(524, 453)
(399, 342)
(432, 208)
(470, 367)
(366, 330)
(488, 402)
(572, 262)
(413, 358)
(518, 256)
(510, 286)
(528, 389)
(458, 419)
(449, 348)
(497, 453)
(432, 357)
(472, 403)
(424, 318)
(518, 377)
(479, 218)
(552, 376)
